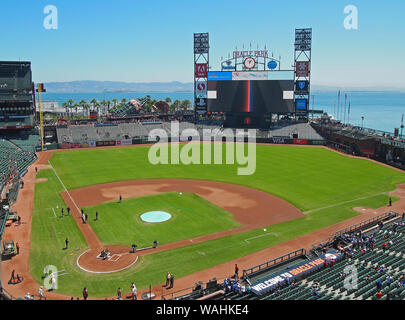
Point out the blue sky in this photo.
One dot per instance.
(138, 40)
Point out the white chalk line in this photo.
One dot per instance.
(54, 212)
(64, 187)
(344, 202)
(262, 235)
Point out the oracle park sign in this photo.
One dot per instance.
(269, 282)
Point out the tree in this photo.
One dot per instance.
(168, 100)
(75, 106)
(66, 106)
(175, 105)
(108, 105)
(94, 102)
(81, 104)
(185, 104)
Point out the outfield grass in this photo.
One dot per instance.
(192, 216)
(310, 178)
(307, 177)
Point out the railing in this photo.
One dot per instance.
(183, 292)
(274, 262)
(355, 227)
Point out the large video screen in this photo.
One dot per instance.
(257, 96)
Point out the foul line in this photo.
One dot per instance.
(64, 186)
(54, 212)
(344, 202)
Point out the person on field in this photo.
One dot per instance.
(62, 212)
(119, 294)
(67, 243)
(133, 290)
(120, 199)
(85, 294)
(40, 293)
(17, 246)
(171, 281)
(96, 215)
(68, 211)
(236, 272)
(167, 279)
(390, 202)
(86, 217)
(12, 275)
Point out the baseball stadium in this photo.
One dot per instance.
(86, 214)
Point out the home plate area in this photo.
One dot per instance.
(106, 260)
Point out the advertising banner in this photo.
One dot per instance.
(65, 145)
(257, 75)
(300, 141)
(126, 142)
(118, 142)
(92, 144)
(301, 104)
(302, 68)
(201, 88)
(201, 70)
(280, 140)
(266, 284)
(301, 87)
(105, 143)
(367, 152)
(219, 76)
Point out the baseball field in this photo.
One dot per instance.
(218, 217)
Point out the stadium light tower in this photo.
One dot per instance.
(302, 71)
(40, 88)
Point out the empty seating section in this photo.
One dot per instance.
(85, 133)
(27, 144)
(13, 161)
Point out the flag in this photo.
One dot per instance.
(348, 111)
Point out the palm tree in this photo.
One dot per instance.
(108, 105)
(85, 108)
(94, 102)
(123, 101)
(70, 105)
(75, 106)
(81, 104)
(168, 100)
(185, 104)
(103, 104)
(175, 105)
(66, 106)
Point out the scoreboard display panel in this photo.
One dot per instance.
(256, 96)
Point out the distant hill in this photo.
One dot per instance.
(89, 86)
(117, 86)
(321, 88)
